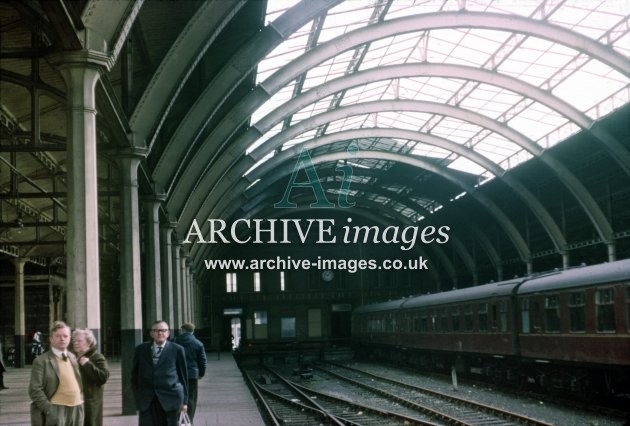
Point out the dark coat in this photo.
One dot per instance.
(168, 379)
(195, 355)
(44, 383)
(94, 374)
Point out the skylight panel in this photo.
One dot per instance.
(590, 85)
(304, 137)
(284, 53)
(517, 67)
(472, 51)
(304, 114)
(496, 148)
(264, 138)
(516, 159)
(321, 105)
(332, 68)
(370, 92)
(484, 105)
(497, 100)
(558, 135)
(401, 48)
(426, 150)
(433, 89)
(408, 212)
(536, 121)
(343, 18)
(568, 16)
(400, 120)
(279, 98)
(623, 45)
(593, 24)
(613, 102)
(275, 8)
(463, 164)
(391, 50)
(375, 53)
(263, 160)
(455, 130)
(349, 123)
(442, 43)
(524, 8)
(404, 8)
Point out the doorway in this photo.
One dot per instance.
(235, 330)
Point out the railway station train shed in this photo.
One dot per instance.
(262, 168)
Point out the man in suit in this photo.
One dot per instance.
(196, 362)
(55, 385)
(159, 379)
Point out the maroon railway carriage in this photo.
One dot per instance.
(563, 330)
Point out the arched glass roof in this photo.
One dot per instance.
(546, 57)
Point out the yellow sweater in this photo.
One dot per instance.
(68, 393)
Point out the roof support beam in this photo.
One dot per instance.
(242, 63)
(177, 66)
(226, 206)
(541, 213)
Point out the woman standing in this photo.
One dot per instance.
(94, 374)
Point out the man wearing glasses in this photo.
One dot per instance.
(159, 379)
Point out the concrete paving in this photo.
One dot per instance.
(224, 399)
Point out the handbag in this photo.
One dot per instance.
(184, 420)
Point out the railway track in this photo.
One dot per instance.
(443, 407)
(288, 402)
(333, 394)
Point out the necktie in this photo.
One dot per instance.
(64, 356)
(156, 355)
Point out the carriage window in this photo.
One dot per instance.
(388, 324)
(536, 316)
(483, 316)
(525, 315)
(444, 320)
(503, 315)
(576, 312)
(455, 318)
(468, 318)
(605, 301)
(628, 306)
(424, 322)
(552, 313)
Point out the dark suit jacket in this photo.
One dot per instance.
(168, 379)
(44, 383)
(195, 355)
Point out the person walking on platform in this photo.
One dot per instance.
(159, 379)
(2, 369)
(36, 347)
(196, 362)
(94, 374)
(55, 386)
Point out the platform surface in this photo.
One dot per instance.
(224, 399)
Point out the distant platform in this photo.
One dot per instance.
(224, 398)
